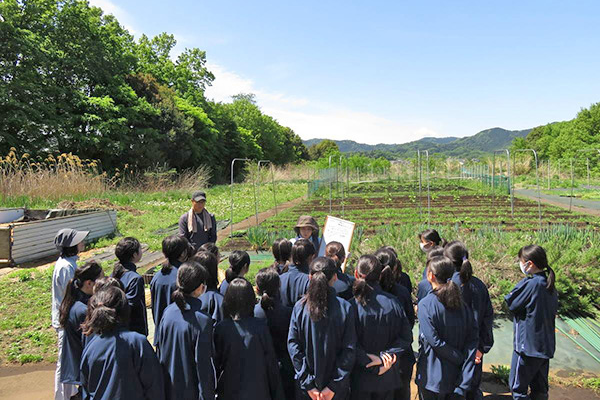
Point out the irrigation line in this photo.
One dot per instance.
(577, 343)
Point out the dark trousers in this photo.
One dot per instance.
(475, 392)
(425, 394)
(303, 395)
(529, 372)
(404, 392)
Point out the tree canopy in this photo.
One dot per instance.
(74, 80)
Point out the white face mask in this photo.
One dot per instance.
(523, 267)
(423, 248)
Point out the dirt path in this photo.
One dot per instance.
(37, 382)
(583, 206)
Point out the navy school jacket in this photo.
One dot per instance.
(294, 285)
(476, 295)
(534, 310)
(423, 289)
(134, 290)
(120, 365)
(185, 352)
(212, 305)
(405, 281)
(73, 341)
(162, 287)
(343, 285)
(246, 362)
(405, 299)
(382, 327)
(324, 352)
(447, 344)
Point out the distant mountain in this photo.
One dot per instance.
(471, 146)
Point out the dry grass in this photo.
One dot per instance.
(281, 173)
(53, 178)
(68, 176)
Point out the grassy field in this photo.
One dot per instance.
(25, 295)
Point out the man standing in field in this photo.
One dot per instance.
(198, 225)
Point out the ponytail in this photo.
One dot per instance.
(173, 247)
(107, 309)
(391, 268)
(189, 277)
(125, 250)
(457, 252)
(89, 271)
(447, 292)
(268, 284)
(537, 255)
(238, 260)
(210, 262)
(322, 269)
(368, 271)
(335, 251)
(282, 252)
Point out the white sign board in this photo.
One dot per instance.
(337, 230)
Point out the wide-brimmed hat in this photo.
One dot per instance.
(69, 237)
(306, 221)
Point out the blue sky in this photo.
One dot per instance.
(390, 71)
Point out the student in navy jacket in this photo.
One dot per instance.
(212, 300)
(534, 303)
(322, 338)
(388, 282)
(128, 252)
(448, 337)
(384, 335)
(424, 287)
(239, 265)
(71, 315)
(282, 252)
(185, 339)
(400, 276)
(278, 319)
(294, 282)
(430, 239)
(343, 283)
(117, 363)
(475, 295)
(245, 358)
(175, 248)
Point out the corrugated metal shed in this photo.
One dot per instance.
(27, 241)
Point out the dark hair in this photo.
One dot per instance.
(211, 248)
(369, 271)
(431, 235)
(239, 299)
(211, 264)
(391, 269)
(435, 252)
(238, 259)
(107, 281)
(88, 271)
(125, 250)
(335, 251)
(267, 283)
(69, 251)
(448, 293)
(537, 255)
(107, 309)
(190, 275)
(302, 251)
(173, 247)
(457, 252)
(282, 251)
(322, 269)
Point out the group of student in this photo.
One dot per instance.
(315, 332)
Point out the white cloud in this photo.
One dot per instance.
(313, 119)
(111, 8)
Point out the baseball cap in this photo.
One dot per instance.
(198, 196)
(69, 237)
